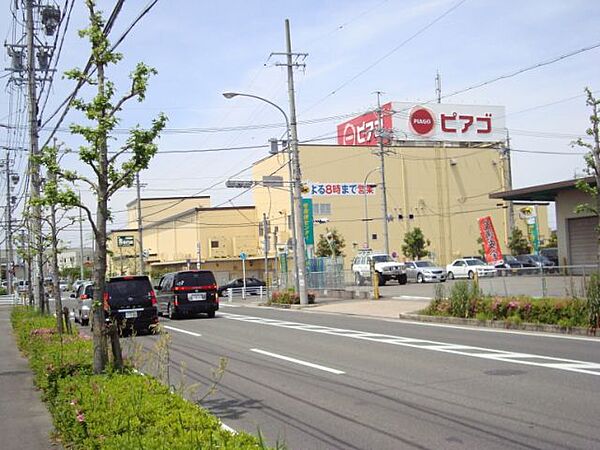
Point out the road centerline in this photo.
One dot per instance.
(298, 361)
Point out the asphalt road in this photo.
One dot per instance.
(328, 381)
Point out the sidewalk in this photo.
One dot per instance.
(24, 420)
(383, 307)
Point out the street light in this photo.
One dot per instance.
(366, 219)
(295, 195)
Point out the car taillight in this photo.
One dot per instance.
(105, 301)
(83, 297)
(153, 298)
(207, 287)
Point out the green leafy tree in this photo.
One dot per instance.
(331, 243)
(112, 164)
(415, 245)
(592, 161)
(552, 241)
(518, 243)
(481, 248)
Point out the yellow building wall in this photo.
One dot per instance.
(158, 209)
(445, 189)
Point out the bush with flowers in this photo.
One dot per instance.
(467, 303)
(289, 297)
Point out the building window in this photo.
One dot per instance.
(289, 221)
(214, 244)
(323, 209)
(374, 236)
(261, 230)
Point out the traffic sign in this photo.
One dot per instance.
(243, 256)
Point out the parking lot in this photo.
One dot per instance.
(546, 285)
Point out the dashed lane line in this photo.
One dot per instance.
(298, 361)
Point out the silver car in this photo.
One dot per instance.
(424, 271)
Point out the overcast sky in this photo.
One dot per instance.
(202, 49)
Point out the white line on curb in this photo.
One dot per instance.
(298, 361)
(191, 333)
(411, 297)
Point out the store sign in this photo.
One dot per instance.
(344, 189)
(431, 122)
(307, 216)
(493, 253)
(125, 241)
(362, 129)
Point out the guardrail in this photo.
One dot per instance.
(254, 292)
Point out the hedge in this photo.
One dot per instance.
(114, 410)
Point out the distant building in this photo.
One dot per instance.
(71, 258)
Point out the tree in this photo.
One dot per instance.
(592, 161)
(552, 241)
(330, 242)
(481, 248)
(415, 245)
(111, 170)
(518, 243)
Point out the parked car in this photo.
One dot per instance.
(468, 267)
(424, 271)
(253, 285)
(538, 262)
(22, 286)
(84, 297)
(131, 302)
(187, 293)
(386, 268)
(551, 253)
(509, 265)
(76, 284)
(63, 285)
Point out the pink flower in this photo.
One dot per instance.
(80, 417)
(74, 402)
(513, 305)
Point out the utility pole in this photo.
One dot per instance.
(33, 152)
(300, 246)
(438, 87)
(139, 221)
(384, 208)
(508, 182)
(9, 239)
(81, 271)
(265, 227)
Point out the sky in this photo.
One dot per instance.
(202, 49)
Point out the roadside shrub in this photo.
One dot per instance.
(593, 303)
(116, 410)
(289, 297)
(463, 299)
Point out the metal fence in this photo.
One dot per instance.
(257, 293)
(12, 299)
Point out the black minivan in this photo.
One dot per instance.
(187, 293)
(131, 302)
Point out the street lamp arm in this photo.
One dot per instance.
(229, 95)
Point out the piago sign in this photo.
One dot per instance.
(431, 122)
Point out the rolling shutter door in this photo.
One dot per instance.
(583, 240)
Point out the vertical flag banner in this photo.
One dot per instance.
(493, 254)
(307, 218)
(533, 233)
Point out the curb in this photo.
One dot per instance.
(579, 331)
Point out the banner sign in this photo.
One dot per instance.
(430, 122)
(125, 241)
(533, 233)
(493, 253)
(307, 216)
(317, 189)
(362, 129)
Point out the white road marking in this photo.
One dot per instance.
(298, 361)
(230, 305)
(228, 428)
(496, 330)
(411, 297)
(570, 365)
(191, 333)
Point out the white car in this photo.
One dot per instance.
(385, 266)
(467, 267)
